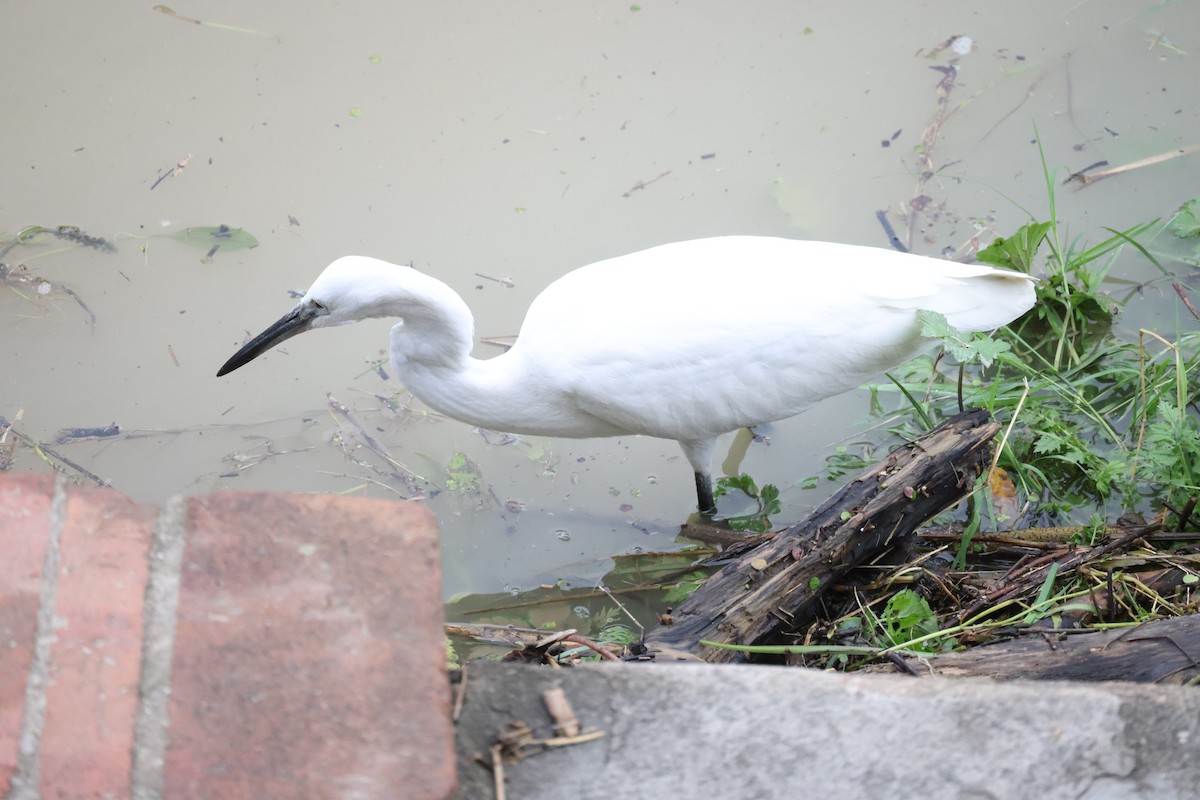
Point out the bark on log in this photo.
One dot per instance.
(1163, 651)
(772, 587)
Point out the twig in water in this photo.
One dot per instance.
(65, 435)
(893, 239)
(170, 12)
(1079, 174)
(1087, 180)
(507, 283)
(179, 167)
(591, 644)
(1187, 301)
(47, 453)
(621, 606)
(405, 475)
(79, 300)
(644, 184)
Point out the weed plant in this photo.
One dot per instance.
(1101, 425)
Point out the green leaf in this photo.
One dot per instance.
(1048, 442)
(988, 349)
(1186, 222)
(208, 237)
(618, 634)
(907, 616)
(462, 475)
(767, 499)
(743, 483)
(1017, 251)
(684, 589)
(935, 325)
(966, 348)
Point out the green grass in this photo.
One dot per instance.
(1100, 424)
(1105, 423)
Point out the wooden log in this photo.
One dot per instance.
(1162, 651)
(772, 587)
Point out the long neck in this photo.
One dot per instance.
(437, 328)
(483, 393)
(431, 354)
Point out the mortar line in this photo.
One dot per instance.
(27, 777)
(150, 732)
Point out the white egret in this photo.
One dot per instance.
(683, 341)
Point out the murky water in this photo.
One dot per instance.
(498, 146)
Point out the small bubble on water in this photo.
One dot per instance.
(563, 536)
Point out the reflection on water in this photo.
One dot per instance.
(497, 148)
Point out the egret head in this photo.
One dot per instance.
(355, 288)
(350, 289)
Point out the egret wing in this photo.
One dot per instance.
(691, 339)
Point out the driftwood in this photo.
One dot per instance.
(1023, 581)
(1164, 651)
(771, 588)
(528, 644)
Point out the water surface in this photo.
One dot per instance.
(498, 146)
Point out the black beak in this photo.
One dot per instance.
(298, 320)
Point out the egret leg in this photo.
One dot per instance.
(704, 494)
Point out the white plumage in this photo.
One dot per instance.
(683, 341)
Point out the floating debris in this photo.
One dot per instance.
(213, 237)
(19, 277)
(65, 435)
(72, 233)
(171, 172)
(170, 12)
(643, 184)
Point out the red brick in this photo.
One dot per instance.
(92, 695)
(309, 652)
(25, 501)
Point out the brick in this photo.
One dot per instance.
(93, 691)
(92, 694)
(309, 652)
(25, 501)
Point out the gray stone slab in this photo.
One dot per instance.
(738, 731)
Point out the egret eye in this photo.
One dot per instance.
(319, 306)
